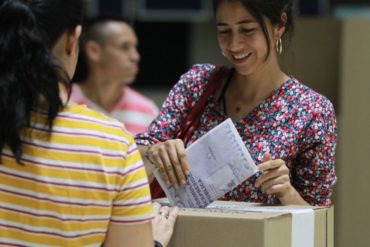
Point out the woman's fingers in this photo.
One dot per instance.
(271, 169)
(172, 149)
(271, 164)
(163, 223)
(170, 157)
(269, 186)
(164, 211)
(279, 189)
(274, 178)
(183, 158)
(157, 159)
(169, 167)
(267, 157)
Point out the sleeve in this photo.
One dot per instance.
(132, 203)
(178, 103)
(314, 176)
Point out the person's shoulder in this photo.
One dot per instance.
(204, 68)
(197, 75)
(86, 118)
(311, 98)
(193, 82)
(83, 112)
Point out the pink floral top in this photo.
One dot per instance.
(294, 123)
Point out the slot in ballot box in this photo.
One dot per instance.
(235, 224)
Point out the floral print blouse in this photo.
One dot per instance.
(295, 124)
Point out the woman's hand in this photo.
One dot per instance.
(275, 179)
(170, 157)
(163, 223)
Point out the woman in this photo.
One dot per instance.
(289, 129)
(69, 176)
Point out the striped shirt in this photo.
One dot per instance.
(72, 183)
(134, 109)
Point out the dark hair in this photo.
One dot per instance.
(93, 29)
(272, 9)
(29, 72)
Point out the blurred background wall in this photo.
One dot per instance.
(329, 51)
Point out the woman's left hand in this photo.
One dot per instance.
(163, 223)
(275, 178)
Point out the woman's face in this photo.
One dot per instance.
(241, 38)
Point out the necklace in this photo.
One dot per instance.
(222, 97)
(238, 106)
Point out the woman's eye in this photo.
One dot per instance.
(125, 47)
(248, 30)
(223, 31)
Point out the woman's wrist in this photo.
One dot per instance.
(292, 197)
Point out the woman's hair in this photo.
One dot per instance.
(272, 9)
(29, 73)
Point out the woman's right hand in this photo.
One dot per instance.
(170, 157)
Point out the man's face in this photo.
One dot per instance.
(120, 58)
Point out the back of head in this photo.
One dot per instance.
(29, 73)
(94, 29)
(272, 9)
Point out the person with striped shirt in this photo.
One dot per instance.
(69, 176)
(108, 64)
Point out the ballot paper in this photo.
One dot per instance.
(219, 161)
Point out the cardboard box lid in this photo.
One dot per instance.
(231, 227)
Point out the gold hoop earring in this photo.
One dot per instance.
(279, 46)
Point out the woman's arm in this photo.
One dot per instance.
(131, 212)
(129, 235)
(313, 174)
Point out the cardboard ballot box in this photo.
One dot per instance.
(234, 224)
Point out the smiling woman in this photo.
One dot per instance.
(289, 129)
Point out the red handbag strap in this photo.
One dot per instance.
(156, 190)
(192, 120)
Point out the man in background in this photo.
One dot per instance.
(107, 66)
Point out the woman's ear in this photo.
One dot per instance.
(279, 29)
(92, 50)
(73, 44)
